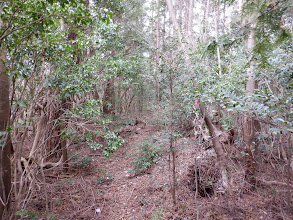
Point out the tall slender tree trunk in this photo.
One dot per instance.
(205, 30)
(205, 21)
(180, 12)
(5, 139)
(174, 20)
(140, 100)
(190, 20)
(172, 147)
(158, 53)
(185, 25)
(164, 31)
(250, 83)
(217, 18)
(250, 125)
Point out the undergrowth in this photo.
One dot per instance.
(147, 154)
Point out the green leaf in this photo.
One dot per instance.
(280, 119)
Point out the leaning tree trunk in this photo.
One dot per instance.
(5, 139)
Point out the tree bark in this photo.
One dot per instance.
(172, 147)
(5, 139)
(205, 21)
(250, 125)
(217, 18)
(158, 54)
(109, 97)
(175, 22)
(216, 145)
(190, 20)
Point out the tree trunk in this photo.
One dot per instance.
(158, 54)
(205, 30)
(109, 97)
(5, 139)
(217, 18)
(190, 20)
(172, 148)
(250, 125)
(140, 100)
(216, 145)
(205, 21)
(175, 22)
(180, 6)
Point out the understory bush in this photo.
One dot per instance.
(148, 154)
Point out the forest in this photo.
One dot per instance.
(146, 109)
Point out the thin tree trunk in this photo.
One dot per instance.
(109, 98)
(217, 36)
(172, 148)
(140, 100)
(180, 6)
(250, 124)
(158, 53)
(186, 24)
(205, 21)
(164, 31)
(205, 30)
(64, 105)
(190, 20)
(175, 22)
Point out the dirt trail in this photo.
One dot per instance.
(106, 189)
(141, 197)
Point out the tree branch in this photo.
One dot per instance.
(24, 26)
(10, 22)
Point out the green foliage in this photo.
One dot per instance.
(81, 161)
(104, 176)
(25, 214)
(227, 122)
(158, 215)
(113, 141)
(90, 109)
(51, 217)
(113, 5)
(148, 154)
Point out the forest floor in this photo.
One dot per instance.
(106, 188)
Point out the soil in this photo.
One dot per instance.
(106, 188)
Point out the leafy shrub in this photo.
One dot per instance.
(81, 161)
(113, 142)
(148, 154)
(51, 217)
(25, 214)
(89, 110)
